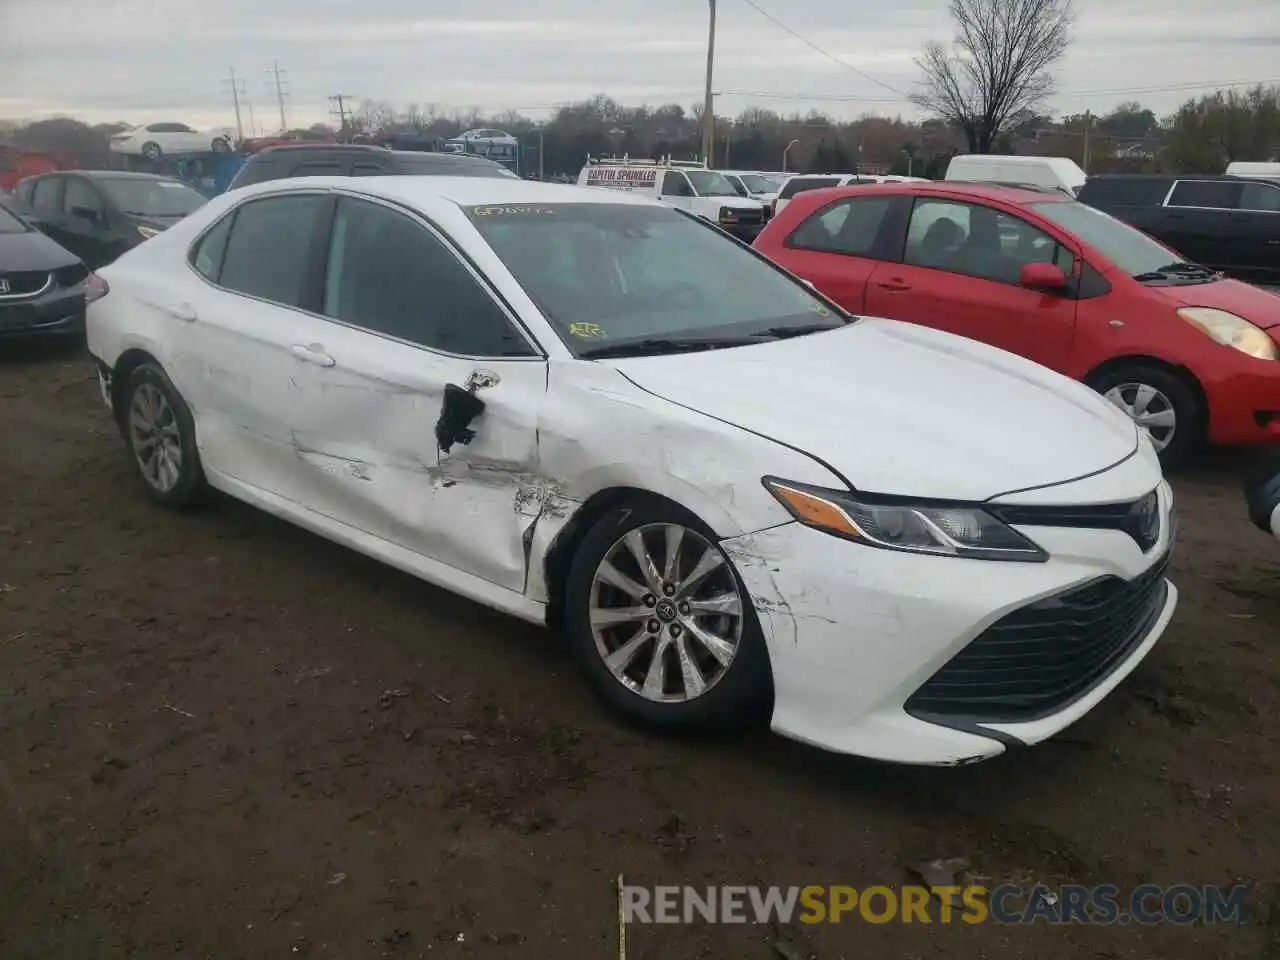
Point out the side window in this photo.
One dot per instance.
(366, 169)
(675, 184)
(81, 200)
(270, 247)
(207, 254)
(317, 168)
(45, 193)
(978, 241)
(1210, 194)
(390, 275)
(849, 226)
(1261, 197)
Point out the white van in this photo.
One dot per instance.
(1254, 170)
(1049, 173)
(755, 184)
(687, 185)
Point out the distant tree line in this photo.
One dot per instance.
(1202, 136)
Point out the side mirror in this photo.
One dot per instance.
(1042, 276)
(88, 213)
(461, 406)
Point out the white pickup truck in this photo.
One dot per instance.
(1262, 493)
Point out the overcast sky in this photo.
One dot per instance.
(145, 60)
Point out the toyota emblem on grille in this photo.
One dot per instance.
(4, 285)
(1143, 521)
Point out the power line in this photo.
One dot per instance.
(830, 56)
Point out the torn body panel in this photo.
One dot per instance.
(598, 431)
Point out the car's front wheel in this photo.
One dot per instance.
(160, 434)
(662, 623)
(1161, 404)
(221, 145)
(152, 150)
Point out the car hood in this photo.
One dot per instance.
(1260, 307)
(901, 409)
(32, 251)
(737, 203)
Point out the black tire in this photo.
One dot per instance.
(1190, 415)
(221, 145)
(151, 150)
(740, 699)
(189, 487)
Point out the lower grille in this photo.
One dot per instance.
(1038, 660)
(23, 283)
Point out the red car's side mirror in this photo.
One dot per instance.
(1043, 276)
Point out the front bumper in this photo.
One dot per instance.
(60, 312)
(1244, 405)
(854, 633)
(746, 232)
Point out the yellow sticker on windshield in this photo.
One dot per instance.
(587, 331)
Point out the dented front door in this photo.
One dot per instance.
(368, 455)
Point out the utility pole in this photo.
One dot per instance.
(709, 103)
(542, 140)
(237, 91)
(275, 72)
(1088, 123)
(339, 101)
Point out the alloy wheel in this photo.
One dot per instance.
(666, 612)
(155, 438)
(1150, 409)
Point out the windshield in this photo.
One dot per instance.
(758, 184)
(708, 183)
(151, 198)
(801, 184)
(9, 223)
(609, 273)
(1128, 248)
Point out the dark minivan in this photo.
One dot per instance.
(358, 160)
(1231, 224)
(100, 214)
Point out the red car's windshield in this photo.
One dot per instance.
(1128, 248)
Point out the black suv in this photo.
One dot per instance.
(1229, 223)
(358, 160)
(99, 214)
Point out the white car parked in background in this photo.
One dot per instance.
(585, 408)
(753, 184)
(158, 139)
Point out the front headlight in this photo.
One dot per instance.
(148, 232)
(938, 529)
(1230, 331)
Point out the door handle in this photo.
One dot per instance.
(182, 311)
(312, 353)
(894, 284)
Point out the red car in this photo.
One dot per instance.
(1192, 356)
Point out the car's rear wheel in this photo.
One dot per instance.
(1162, 404)
(151, 150)
(160, 434)
(662, 623)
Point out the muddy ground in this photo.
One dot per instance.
(222, 737)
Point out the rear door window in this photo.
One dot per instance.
(270, 248)
(847, 226)
(1206, 194)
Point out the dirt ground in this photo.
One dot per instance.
(221, 737)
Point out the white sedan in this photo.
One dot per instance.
(587, 409)
(159, 139)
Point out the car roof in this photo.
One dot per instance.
(973, 191)
(107, 175)
(464, 191)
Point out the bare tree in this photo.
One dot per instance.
(997, 67)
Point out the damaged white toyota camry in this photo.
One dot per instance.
(587, 409)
